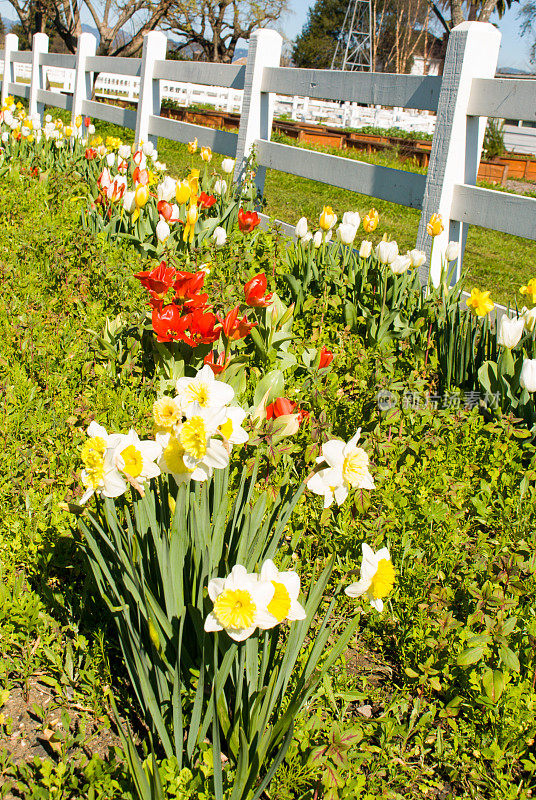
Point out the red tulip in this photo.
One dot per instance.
(187, 284)
(87, 121)
(201, 327)
(247, 220)
(168, 323)
(205, 200)
(326, 357)
(140, 176)
(254, 291)
(234, 328)
(90, 153)
(165, 209)
(218, 366)
(282, 407)
(158, 281)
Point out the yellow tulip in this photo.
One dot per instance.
(435, 226)
(371, 221)
(68, 131)
(530, 289)
(206, 154)
(480, 303)
(192, 147)
(78, 121)
(327, 218)
(191, 219)
(141, 195)
(182, 192)
(193, 181)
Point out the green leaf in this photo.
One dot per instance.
(272, 385)
(470, 656)
(509, 659)
(493, 683)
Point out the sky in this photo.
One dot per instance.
(514, 49)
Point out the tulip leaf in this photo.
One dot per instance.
(273, 383)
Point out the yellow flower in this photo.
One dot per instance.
(371, 220)
(235, 609)
(182, 192)
(192, 146)
(96, 141)
(93, 459)
(530, 289)
(191, 219)
(377, 577)
(435, 225)
(166, 412)
(327, 218)
(480, 302)
(78, 121)
(68, 131)
(193, 180)
(206, 154)
(193, 437)
(141, 195)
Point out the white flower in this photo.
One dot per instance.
(160, 166)
(220, 187)
(453, 251)
(203, 390)
(377, 577)
(219, 236)
(91, 130)
(317, 239)
(400, 264)
(527, 379)
(232, 429)
(228, 165)
(129, 202)
(284, 603)
(110, 159)
(148, 148)
(386, 252)
(510, 331)
(347, 468)
(366, 249)
(529, 318)
(162, 230)
(351, 218)
(307, 238)
(124, 151)
(48, 118)
(240, 604)
(346, 233)
(417, 257)
(301, 228)
(166, 189)
(5, 137)
(135, 458)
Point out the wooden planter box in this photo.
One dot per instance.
(492, 171)
(322, 138)
(521, 168)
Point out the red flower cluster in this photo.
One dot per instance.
(247, 220)
(282, 407)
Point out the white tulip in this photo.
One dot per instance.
(386, 252)
(317, 239)
(346, 233)
(529, 318)
(417, 257)
(351, 218)
(220, 187)
(166, 189)
(162, 230)
(510, 331)
(301, 228)
(110, 159)
(400, 264)
(453, 251)
(124, 151)
(129, 203)
(228, 165)
(527, 379)
(307, 238)
(5, 137)
(148, 148)
(91, 130)
(219, 237)
(366, 249)
(48, 118)
(160, 166)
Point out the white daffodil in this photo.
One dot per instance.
(377, 577)
(133, 458)
(172, 460)
(231, 429)
(197, 436)
(284, 603)
(510, 331)
(240, 604)
(203, 390)
(347, 468)
(99, 474)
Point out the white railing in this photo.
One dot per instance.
(461, 100)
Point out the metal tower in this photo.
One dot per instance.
(354, 45)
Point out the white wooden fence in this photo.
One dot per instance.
(462, 99)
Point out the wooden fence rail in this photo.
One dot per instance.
(462, 98)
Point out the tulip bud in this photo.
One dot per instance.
(192, 147)
(417, 258)
(386, 252)
(346, 233)
(48, 118)
(351, 218)
(327, 218)
(192, 215)
(220, 187)
(219, 236)
(435, 225)
(206, 154)
(366, 249)
(371, 220)
(148, 148)
(317, 239)
(527, 379)
(400, 264)
(129, 202)
(167, 189)
(307, 238)
(228, 165)
(141, 195)
(78, 121)
(91, 130)
(301, 228)
(510, 331)
(453, 251)
(530, 318)
(162, 230)
(124, 151)
(110, 159)
(183, 192)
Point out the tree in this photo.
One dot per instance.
(121, 24)
(315, 45)
(476, 10)
(216, 26)
(527, 15)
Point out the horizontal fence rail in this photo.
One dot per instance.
(461, 100)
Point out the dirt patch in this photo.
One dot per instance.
(521, 187)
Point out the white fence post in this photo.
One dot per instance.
(11, 45)
(39, 46)
(472, 52)
(83, 80)
(257, 107)
(154, 49)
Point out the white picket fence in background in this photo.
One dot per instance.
(462, 99)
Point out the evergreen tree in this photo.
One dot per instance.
(315, 45)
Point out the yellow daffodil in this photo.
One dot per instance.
(435, 225)
(480, 302)
(530, 289)
(371, 220)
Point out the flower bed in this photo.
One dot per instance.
(311, 554)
